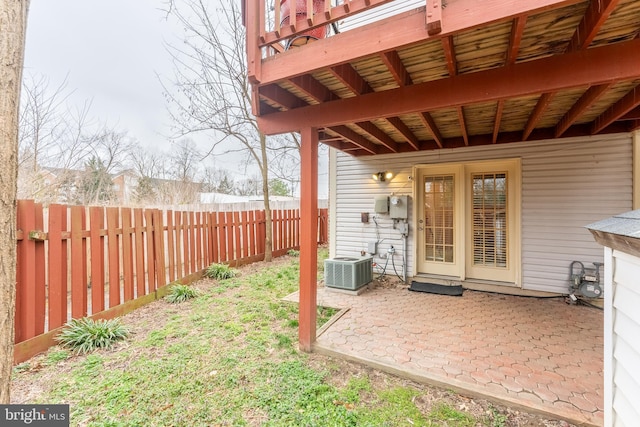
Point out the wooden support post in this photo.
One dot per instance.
(308, 238)
(434, 17)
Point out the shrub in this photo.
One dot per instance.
(85, 335)
(220, 271)
(181, 293)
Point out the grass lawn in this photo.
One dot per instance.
(230, 357)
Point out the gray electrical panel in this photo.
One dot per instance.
(399, 207)
(382, 205)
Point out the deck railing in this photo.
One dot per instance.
(76, 261)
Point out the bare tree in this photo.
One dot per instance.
(13, 21)
(213, 92)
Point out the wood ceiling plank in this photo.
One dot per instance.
(463, 125)
(581, 105)
(605, 64)
(630, 101)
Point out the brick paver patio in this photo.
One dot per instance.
(537, 353)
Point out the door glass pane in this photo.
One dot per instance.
(438, 218)
(490, 222)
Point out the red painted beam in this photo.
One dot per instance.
(585, 101)
(396, 68)
(357, 139)
(632, 115)
(404, 130)
(536, 115)
(595, 16)
(308, 238)
(517, 28)
(379, 135)
(395, 32)
(282, 97)
(630, 101)
(606, 64)
(350, 77)
(312, 87)
(450, 55)
(428, 121)
(496, 122)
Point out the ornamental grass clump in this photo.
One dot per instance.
(85, 335)
(220, 271)
(181, 293)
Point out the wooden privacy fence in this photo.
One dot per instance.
(76, 261)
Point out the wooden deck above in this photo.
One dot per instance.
(450, 74)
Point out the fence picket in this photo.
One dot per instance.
(113, 246)
(57, 263)
(141, 288)
(96, 221)
(127, 254)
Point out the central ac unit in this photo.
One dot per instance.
(348, 273)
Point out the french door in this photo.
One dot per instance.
(468, 220)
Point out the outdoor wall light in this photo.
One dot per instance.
(382, 176)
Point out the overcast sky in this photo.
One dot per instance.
(112, 52)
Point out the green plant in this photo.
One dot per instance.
(181, 293)
(57, 356)
(84, 335)
(444, 412)
(220, 272)
(293, 252)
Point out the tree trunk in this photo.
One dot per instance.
(268, 240)
(13, 21)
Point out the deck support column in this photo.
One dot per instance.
(308, 237)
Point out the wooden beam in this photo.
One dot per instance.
(312, 87)
(599, 65)
(430, 124)
(538, 112)
(350, 77)
(308, 238)
(396, 68)
(434, 17)
(254, 54)
(632, 115)
(585, 101)
(517, 28)
(357, 139)
(597, 13)
(282, 97)
(379, 135)
(404, 130)
(398, 31)
(630, 101)
(497, 120)
(463, 126)
(450, 55)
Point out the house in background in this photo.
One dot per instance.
(496, 130)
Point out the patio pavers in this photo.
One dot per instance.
(537, 353)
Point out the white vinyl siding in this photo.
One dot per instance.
(378, 13)
(623, 328)
(566, 185)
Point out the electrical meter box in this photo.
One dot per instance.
(381, 205)
(399, 207)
